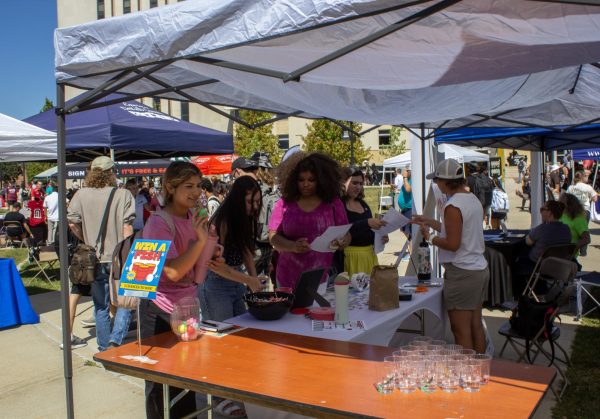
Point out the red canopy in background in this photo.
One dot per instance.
(214, 165)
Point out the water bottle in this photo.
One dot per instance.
(341, 284)
(200, 269)
(424, 263)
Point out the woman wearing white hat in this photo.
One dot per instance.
(461, 247)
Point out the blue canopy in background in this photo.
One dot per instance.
(134, 131)
(524, 138)
(587, 154)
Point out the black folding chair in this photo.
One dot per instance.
(558, 273)
(560, 251)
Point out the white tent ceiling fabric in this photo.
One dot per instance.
(473, 57)
(20, 141)
(450, 151)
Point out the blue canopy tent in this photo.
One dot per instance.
(133, 131)
(524, 138)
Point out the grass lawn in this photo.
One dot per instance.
(581, 396)
(372, 194)
(28, 271)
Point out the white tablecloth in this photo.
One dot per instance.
(381, 325)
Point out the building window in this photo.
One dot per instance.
(156, 103)
(100, 9)
(185, 111)
(384, 138)
(126, 6)
(153, 3)
(284, 142)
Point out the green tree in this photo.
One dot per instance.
(34, 168)
(396, 146)
(9, 171)
(246, 141)
(327, 137)
(47, 105)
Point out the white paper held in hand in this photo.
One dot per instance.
(394, 220)
(321, 243)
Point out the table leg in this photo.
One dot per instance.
(166, 402)
(420, 331)
(209, 403)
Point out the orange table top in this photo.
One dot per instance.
(318, 377)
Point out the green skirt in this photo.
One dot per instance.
(359, 259)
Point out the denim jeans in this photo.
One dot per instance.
(220, 298)
(154, 321)
(101, 298)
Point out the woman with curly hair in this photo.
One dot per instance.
(575, 217)
(310, 187)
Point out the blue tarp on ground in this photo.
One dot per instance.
(134, 131)
(525, 138)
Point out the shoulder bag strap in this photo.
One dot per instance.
(102, 232)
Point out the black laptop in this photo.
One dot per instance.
(306, 290)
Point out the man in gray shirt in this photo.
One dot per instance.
(85, 213)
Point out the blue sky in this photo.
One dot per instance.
(27, 51)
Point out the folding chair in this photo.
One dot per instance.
(559, 273)
(560, 251)
(586, 279)
(14, 232)
(43, 257)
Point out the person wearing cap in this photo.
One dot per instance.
(243, 166)
(85, 213)
(461, 252)
(554, 181)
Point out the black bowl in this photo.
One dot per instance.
(262, 309)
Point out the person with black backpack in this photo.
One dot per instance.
(484, 190)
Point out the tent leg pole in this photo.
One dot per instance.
(63, 252)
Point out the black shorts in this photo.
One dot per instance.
(83, 290)
(498, 215)
(11, 203)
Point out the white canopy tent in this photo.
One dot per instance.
(497, 62)
(473, 57)
(450, 151)
(20, 141)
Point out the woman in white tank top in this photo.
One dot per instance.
(461, 248)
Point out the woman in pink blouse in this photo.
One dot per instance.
(310, 188)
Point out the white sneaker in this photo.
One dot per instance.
(76, 342)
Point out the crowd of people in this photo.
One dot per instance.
(265, 220)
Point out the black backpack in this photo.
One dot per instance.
(529, 317)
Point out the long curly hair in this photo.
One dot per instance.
(241, 229)
(98, 178)
(573, 207)
(326, 170)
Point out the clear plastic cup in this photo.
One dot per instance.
(408, 367)
(438, 342)
(387, 382)
(486, 362)
(471, 375)
(468, 352)
(450, 376)
(453, 347)
(421, 340)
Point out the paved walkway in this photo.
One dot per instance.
(32, 371)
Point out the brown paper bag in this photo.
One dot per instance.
(383, 288)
